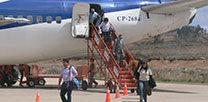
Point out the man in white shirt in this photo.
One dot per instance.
(104, 28)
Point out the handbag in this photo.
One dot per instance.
(152, 82)
(149, 91)
(74, 84)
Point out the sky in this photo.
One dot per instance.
(201, 17)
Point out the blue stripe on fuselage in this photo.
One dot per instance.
(61, 8)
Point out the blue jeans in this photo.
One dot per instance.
(143, 89)
(138, 88)
(63, 92)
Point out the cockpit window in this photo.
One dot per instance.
(58, 19)
(11, 16)
(49, 19)
(20, 16)
(30, 18)
(1, 17)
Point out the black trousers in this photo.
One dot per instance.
(22, 76)
(106, 36)
(63, 92)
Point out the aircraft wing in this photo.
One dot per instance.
(9, 20)
(175, 6)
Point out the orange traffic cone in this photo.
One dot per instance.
(117, 92)
(108, 96)
(38, 97)
(125, 90)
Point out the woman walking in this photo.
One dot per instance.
(142, 74)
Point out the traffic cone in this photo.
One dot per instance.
(125, 90)
(38, 97)
(108, 96)
(117, 92)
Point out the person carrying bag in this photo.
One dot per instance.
(68, 74)
(145, 82)
(74, 84)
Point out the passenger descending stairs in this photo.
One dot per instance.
(121, 74)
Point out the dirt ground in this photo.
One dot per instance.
(163, 70)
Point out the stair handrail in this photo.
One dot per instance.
(115, 62)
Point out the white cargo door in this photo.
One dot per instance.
(80, 20)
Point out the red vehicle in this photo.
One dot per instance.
(35, 78)
(9, 75)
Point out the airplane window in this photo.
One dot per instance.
(39, 19)
(1, 17)
(58, 19)
(20, 16)
(49, 19)
(11, 16)
(30, 18)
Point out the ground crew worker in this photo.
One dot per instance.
(118, 49)
(92, 72)
(3, 78)
(21, 70)
(6, 70)
(67, 73)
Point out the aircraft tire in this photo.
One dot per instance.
(84, 85)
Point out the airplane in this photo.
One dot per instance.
(37, 30)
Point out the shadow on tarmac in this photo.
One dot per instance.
(173, 91)
(36, 87)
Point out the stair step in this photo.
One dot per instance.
(129, 81)
(125, 74)
(128, 77)
(126, 80)
(130, 86)
(124, 69)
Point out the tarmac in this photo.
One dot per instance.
(164, 92)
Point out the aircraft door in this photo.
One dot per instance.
(80, 20)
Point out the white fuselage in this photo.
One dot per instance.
(45, 41)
